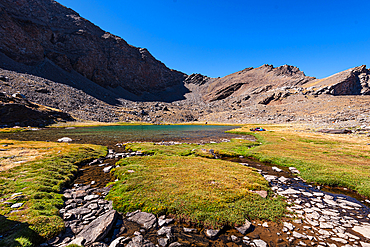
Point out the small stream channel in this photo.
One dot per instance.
(299, 228)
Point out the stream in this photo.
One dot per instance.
(318, 217)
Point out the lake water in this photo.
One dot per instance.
(110, 135)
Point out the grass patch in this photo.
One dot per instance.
(40, 182)
(195, 189)
(233, 148)
(334, 160)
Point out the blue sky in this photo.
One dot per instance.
(217, 38)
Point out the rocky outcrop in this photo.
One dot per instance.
(17, 110)
(354, 81)
(250, 81)
(38, 31)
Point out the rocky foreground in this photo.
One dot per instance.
(317, 218)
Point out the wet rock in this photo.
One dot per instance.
(363, 244)
(274, 168)
(363, 230)
(119, 242)
(163, 242)
(210, 233)
(259, 243)
(190, 230)
(147, 220)
(91, 197)
(99, 228)
(164, 231)
(234, 238)
(244, 228)
(107, 169)
(294, 170)
(175, 244)
(139, 241)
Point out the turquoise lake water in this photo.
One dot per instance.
(110, 135)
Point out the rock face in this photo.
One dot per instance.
(354, 81)
(248, 81)
(38, 33)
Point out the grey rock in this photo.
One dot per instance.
(244, 228)
(260, 243)
(163, 242)
(139, 241)
(99, 228)
(107, 169)
(175, 244)
(164, 230)
(91, 197)
(190, 230)
(210, 233)
(147, 220)
(17, 205)
(119, 242)
(364, 230)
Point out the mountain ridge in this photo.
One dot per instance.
(56, 58)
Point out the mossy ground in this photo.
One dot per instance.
(328, 159)
(204, 191)
(40, 182)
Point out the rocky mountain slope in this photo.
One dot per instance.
(57, 59)
(39, 34)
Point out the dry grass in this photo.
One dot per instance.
(15, 153)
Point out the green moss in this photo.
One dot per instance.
(195, 189)
(40, 182)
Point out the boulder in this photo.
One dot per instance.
(147, 220)
(98, 228)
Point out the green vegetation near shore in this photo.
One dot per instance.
(327, 159)
(39, 182)
(183, 181)
(194, 189)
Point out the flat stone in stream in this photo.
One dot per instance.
(139, 241)
(147, 220)
(98, 228)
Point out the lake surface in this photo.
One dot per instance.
(110, 135)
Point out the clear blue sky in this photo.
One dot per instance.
(216, 38)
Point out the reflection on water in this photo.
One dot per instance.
(110, 135)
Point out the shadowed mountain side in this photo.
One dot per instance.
(45, 36)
